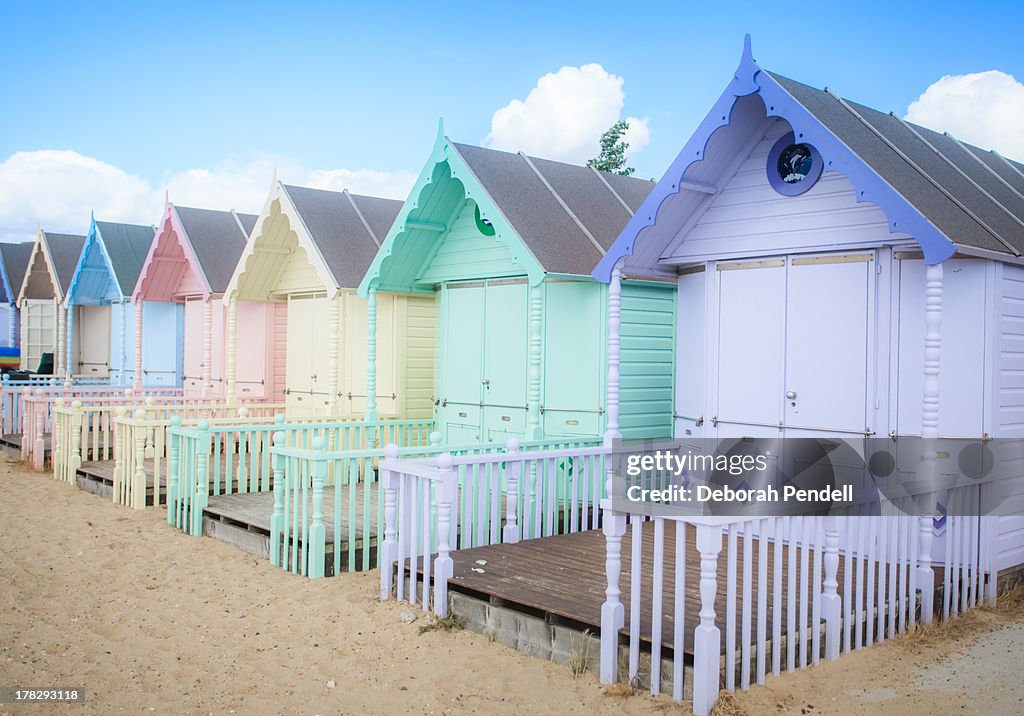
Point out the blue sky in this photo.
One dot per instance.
(161, 92)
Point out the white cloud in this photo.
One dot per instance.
(58, 189)
(983, 108)
(564, 116)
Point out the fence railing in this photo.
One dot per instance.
(485, 496)
(227, 459)
(796, 590)
(37, 405)
(141, 452)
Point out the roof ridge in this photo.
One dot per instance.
(927, 177)
(561, 202)
(366, 224)
(1007, 162)
(238, 221)
(608, 186)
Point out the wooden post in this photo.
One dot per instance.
(202, 487)
(60, 368)
(207, 348)
(443, 565)
(121, 447)
(929, 431)
(389, 547)
(39, 445)
(371, 356)
(137, 378)
(75, 458)
(173, 470)
(278, 462)
(232, 357)
(317, 531)
(123, 343)
(57, 436)
(510, 532)
(534, 372)
(831, 604)
(333, 350)
(614, 527)
(70, 351)
(137, 492)
(707, 639)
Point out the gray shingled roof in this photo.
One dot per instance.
(544, 200)
(974, 197)
(217, 241)
(127, 246)
(64, 251)
(15, 258)
(337, 223)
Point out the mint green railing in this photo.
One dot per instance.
(205, 459)
(298, 533)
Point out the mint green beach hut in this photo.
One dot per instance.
(506, 243)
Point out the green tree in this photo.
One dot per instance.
(612, 157)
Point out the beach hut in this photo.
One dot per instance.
(181, 337)
(41, 298)
(303, 262)
(841, 272)
(100, 313)
(13, 264)
(506, 243)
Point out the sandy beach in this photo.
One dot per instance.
(150, 620)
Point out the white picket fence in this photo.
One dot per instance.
(434, 506)
(796, 589)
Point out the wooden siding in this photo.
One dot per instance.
(962, 375)
(647, 360)
(747, 216)
(417, 395)
(1009, 398)
(464, 253)
(297, 274)
(574, 358)
(39, 284)
(279, 350)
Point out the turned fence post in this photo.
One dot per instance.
(39, 444)
(831, 604)
(74, 460)
(443, 566)
(389, 547)
(173, 470)
(137, 491)
(707, 638)
(278, 464)
(929, 432)
(317, 532)
(202, 486)
(121, 448)
(510, 532)
(57, 451)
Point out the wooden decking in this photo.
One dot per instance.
(563, 579)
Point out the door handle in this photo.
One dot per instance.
(486, 382)
(790, 395)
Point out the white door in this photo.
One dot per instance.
(308, 350)
(92, 341)
(793, 346)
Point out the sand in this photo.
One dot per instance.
(148, 619)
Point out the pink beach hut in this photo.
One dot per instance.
(180, 333)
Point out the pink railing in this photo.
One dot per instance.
(37, 407)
